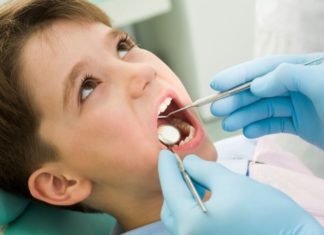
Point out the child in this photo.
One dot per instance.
(79, 113)
(79, 107)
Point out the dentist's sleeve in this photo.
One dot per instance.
(238, 205)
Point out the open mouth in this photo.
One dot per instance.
(182, 121)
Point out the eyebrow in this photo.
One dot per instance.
(70, 79)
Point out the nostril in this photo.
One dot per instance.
(145, 85)
(141, 78)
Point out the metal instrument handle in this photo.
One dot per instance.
(221, 95)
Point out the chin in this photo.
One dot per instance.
(205, 151)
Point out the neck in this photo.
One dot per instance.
(140, 213)
(133, 211)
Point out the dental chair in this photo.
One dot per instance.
(22, 217)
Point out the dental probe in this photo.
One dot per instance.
(220, 95)
(170, 135)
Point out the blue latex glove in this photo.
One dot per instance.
(285, 96)
(238, 205)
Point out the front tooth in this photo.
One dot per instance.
(168, 101)
(163, 107)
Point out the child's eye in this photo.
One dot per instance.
(124, 45)
(87, 87)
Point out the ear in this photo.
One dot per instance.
(51, 185)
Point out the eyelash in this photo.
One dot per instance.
(86, 80)
(125, 42)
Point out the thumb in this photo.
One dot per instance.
(177, 196)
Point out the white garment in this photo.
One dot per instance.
(235, 153)
(289, 26)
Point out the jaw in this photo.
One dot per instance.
(132, 209)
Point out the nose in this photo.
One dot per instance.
(139, 78)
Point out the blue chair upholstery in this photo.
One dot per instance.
(28, 218)
(11, 207)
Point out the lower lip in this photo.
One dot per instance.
(196, 141)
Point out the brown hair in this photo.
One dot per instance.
(21, 149)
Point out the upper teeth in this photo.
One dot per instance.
(164, 105)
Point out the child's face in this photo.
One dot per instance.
(105, 129)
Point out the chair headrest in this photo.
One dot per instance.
(11, 207)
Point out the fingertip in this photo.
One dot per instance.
(213, 110)
(220, 82)
(225, 125)
(224, 106)
(252, 132)
(213, 85)
(258, 85)
(216, 110)
(230, 124)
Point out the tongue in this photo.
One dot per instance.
(183, 126)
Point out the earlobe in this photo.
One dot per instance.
(56, 188)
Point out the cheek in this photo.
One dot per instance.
(115, 144)
(208, 151)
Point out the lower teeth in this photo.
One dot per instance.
(189, 137)
(187, 131)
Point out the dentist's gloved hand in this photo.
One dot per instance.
(238, 205)
(285, 96)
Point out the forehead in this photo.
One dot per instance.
(62, 40)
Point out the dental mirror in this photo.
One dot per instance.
(168, 135)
